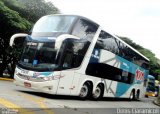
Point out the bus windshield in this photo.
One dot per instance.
(56, 23)
(39, 56)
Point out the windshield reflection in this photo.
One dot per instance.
(39, 56)
(54, 23)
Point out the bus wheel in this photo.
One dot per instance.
(132, 95)
(85, 91)
(137, 95)
(146, 96)
(98, 93)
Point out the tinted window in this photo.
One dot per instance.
(108, 42)
(109, 72)
(74, 53)
(106, 71)
(102, 70)
(132, 56)
(85, 29)
(39, 56)
(56, 23)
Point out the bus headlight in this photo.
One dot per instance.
(48, 78)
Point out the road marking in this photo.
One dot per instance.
(14, 107)
(38, 101)
(6, 79)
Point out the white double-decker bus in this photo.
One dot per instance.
(72, 55)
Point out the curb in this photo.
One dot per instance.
(6, 79)
(155, 102)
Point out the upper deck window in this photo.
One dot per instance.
(85, 29)
(56, 23)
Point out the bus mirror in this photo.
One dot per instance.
(60, 40)
(19, 35)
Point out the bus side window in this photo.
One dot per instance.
(108, 42)
(74, 53)
(68, 60)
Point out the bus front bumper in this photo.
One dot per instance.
(45, 86)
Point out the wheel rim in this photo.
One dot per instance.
(97, 92)
(137, 96)
(84, 91)
(131, 96)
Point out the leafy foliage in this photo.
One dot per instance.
(10, 23)
(31, 10)
(18, 16)
(154, 65)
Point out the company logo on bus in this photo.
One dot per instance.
(139, 75)
(36, 74)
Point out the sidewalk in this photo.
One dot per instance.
(156, 102)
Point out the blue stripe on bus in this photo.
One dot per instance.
(40, 39)
(122, 88)
(125, 65)
(36, 74)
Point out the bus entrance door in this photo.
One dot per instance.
(65, 82)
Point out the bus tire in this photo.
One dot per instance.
(146, 96)
(132, 95)
(137, 95)
(85, 91)
(98, 93)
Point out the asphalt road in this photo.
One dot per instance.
(31, 102)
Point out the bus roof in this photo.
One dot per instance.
(76, 16)
(151, 77)
(109, 33)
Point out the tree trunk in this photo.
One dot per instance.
(2, 68)
(1, 73)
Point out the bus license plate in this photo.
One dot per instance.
(26, 84)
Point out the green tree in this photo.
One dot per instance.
(154, 65)
(31, 10)
(10, 23)
(18, 16)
